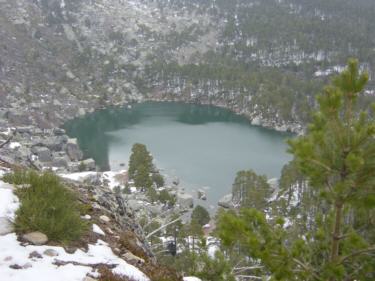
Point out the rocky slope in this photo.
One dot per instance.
(116, 242)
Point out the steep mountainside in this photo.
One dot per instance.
(265, 59)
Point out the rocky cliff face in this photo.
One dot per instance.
(61, 59)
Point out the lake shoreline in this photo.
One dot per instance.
(222, 143)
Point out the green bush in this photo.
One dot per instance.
(47, 206)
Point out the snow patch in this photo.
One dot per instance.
(97, 230)
(14, 145)
(8, 201)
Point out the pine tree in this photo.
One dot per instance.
(250, 190)
(337, 157)
(140, 157)
(200, 215)
(140, 166)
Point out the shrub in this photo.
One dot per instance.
(47, 206)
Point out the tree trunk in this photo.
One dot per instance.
(336, 235)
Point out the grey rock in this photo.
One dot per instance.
(59, 131)
(60, 162)
(70, 250)
(64, 91)
(185, 200)
(130, 257)
(35, 254)
(51, 253)
(74, 167)
(226, 202)
(70, 75)
(104, 219)
(73, 150)
(201, 194)
(43, 153)
(25, 129)
(6, 226)
(15, 266)
(89, 164)
(55, 143)
(36, 238)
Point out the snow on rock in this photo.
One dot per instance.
(97, 230)
(110, 177)
(14, 145)
(81, 176)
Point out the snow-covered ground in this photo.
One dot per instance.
(43, 268)
(110, 176)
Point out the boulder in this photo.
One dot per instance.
(35, 255)
(201, 194)
(36, 238)
(59, 131)
(73, 150)
(186, 201)
(74, 167)
(60, 162)
(89, 164)
(130, 257)
(55, 143)
(25, 129)
(226, 202)
(51, 253)
(104, 219)
(43, 153)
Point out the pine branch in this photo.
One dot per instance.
(357, 253)
(249, 277)
(306, 268)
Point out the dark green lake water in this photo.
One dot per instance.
(203, 146)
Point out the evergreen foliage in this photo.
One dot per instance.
(250, 190)
(141, 168)
(200, 215)
(47, 206)
(337, 157)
